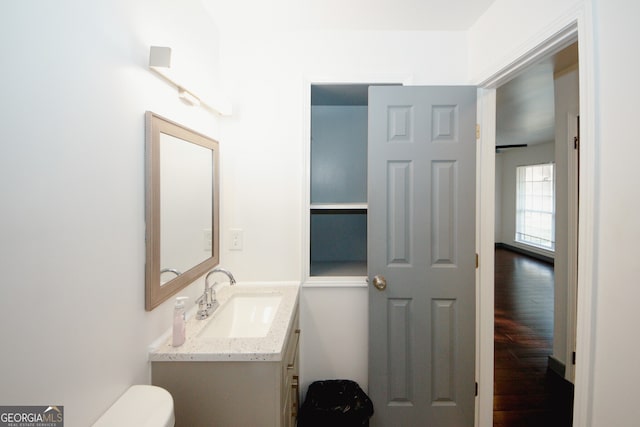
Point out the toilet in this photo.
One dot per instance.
(140, 406)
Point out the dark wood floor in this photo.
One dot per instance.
(526, 393)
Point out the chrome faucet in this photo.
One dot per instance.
(232, 280)
(207, 302)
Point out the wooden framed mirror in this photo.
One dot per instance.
(182, 208)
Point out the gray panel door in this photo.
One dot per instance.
(421, 244)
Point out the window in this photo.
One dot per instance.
(535, 206)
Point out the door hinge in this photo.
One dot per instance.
(477, 131)
(477, 261)
(573, 358)
(576, 139)
(476, 389)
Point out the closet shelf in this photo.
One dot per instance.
(337, 206)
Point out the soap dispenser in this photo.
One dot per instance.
(179, 322)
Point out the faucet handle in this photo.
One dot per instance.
(212, 290)
(201, 300)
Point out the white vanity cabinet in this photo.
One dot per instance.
(256, 393)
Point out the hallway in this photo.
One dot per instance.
(526, 393)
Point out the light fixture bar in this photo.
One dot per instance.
(188, 97)
(160, 63)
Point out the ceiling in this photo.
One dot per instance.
(396, 15)
(525, 106)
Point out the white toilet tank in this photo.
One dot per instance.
(140, 406)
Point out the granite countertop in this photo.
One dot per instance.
(268, 348)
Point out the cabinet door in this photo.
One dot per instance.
(290, 375)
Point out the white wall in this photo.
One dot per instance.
(267, 76)
(76, 86)
(510, 28)
(616, 266)
(336, 339)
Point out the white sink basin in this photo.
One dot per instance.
(243, 316)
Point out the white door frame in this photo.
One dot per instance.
(575, 27)
(572, 247)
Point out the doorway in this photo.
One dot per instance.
(536, 215)
(574, 30)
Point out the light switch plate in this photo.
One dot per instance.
(236, 239)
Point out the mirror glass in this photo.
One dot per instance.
(186, 186)
(182, 207)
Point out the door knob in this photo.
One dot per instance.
(380, 283)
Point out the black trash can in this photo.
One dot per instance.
(335, 403)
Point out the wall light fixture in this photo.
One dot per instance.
(160, 63)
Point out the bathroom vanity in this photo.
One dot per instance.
(234, 378)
